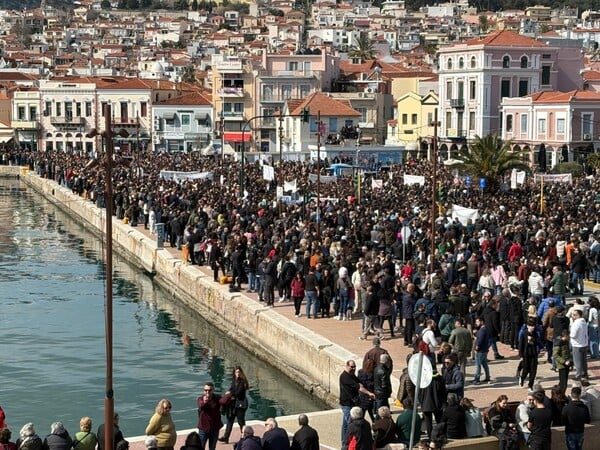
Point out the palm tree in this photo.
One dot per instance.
(490, 158)
(362, 48)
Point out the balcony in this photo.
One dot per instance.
(66, 120)
(233, 115)
(236, 92)
(289, 74)
(124, 121)
(25, 124)
(457, 103)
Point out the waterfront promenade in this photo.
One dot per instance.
(343, 336)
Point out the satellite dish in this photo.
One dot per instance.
(420, 363)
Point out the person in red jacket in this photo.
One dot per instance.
(209, 416)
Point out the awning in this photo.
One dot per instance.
(203, 117)
(169, 116)
(236, 136)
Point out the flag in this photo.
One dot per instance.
(376, 184)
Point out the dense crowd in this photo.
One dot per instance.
(500, 277)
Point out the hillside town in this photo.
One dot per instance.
(282, 79)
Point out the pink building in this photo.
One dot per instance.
(566, 123)
(476, 75)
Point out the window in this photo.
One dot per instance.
(307, 67)
(78, 109)
(448, 120)
(313, 125)
(448, 90)
(103, 105)
(238, 108)
(48, 109)
(509, 123)
(88, 109)
(523, 88)
(541, 125)
(587, 121)
(267, 92)
(59, 109)
(472, 121)
(413, 119)
(560, 125)
(472, 88)
(286, 91)
(404, 119)
(449, 64)
(461, 63)
(545, 75)
(32, 113)
(461, 90)
(506, 62)
(473, 62)
(185, 119)
(460, 118)
(363, 113)
(524, 62)
(304, 90)
(124, 110)
(429, 118)
(293, 66)
(333, 125)
(523, 123)
(143, 109)
(505, 88)
(21, 113)
(269, 119)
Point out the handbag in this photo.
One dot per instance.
(241, 404)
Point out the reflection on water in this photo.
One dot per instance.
(52, 333)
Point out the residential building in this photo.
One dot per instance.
(566, 123)
(26, 118)
(476, 75)
(183, 123)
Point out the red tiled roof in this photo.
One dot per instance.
(565, 97)
(591, 75)
(506, 38)
(191, 99)
(327, 106)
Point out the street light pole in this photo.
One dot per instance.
(434, 151)
(280, 163)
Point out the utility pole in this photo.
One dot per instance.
(280, 199)
(318, 174)
(434, 154)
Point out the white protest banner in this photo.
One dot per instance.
(414, 179)
(376, 184)
(555, 178)
(324, 178)
(464, 214)
(290, 186)
(268, 173)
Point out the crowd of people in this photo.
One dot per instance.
(451, 289)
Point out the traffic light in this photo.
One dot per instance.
(441, 193)
(305, 115)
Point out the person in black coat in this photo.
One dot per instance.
(358, 430)
(433, 399)
(248, 440)
(58, 439)
(453, 419)
(306, 438)
(118, 436)
(492, 322)
(275, 438)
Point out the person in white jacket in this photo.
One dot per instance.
(579, 344)
(536, 285)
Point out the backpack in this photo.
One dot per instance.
(419, 345)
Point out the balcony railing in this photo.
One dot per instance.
(66, 120)
(125, 121)
(458, 103)
(25, 124)
(232, 115)
(231, 92)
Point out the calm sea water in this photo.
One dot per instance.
(52, 351)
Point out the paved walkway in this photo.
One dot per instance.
(346, 334)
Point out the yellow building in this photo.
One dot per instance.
(413, 124)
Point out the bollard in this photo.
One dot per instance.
(160, 235)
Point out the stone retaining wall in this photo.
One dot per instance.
(304, 356)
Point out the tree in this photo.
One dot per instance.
(105, 4)
(484, 25)
(490, 158)
(362, 48)
(188, 74)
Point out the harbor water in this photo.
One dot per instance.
(52, 297)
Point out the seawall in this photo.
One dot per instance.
(307, 358)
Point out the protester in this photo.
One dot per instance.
(306, 437)
(575, 415)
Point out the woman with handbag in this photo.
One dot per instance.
(238, 403)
